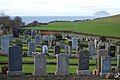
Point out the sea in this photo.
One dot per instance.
(47, 19)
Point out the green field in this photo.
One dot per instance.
(109, 26)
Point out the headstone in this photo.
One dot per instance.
(33, 33)
(100, 53)
(95, 43)
(70, 51)
(44, 49)
(31, 48)
(62, 67)
(15, 61)
(45, 38)
(78, 49)
(118, 61)
(56, 50)
(74, 42)
(105, 65)
(28, 40)
(118, 49)
(66, 49)
(18, 42)
(37, 40)
(91, 49)
(53, 43)
(10, 38)
(70, 43)
(111, 51)
(40, 65)
(4, 43)
(25, 36)
(83, 63)
(62, 44)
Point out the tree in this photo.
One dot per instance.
(18, 22)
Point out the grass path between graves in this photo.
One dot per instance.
(51, 64)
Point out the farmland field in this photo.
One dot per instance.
(109, 26)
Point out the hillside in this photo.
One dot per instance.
(109, 26)
(110, 19)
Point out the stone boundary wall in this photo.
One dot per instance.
(79, 33)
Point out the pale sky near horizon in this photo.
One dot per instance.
(58, 7)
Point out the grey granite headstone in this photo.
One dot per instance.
(10, 38)
(74, 42)
(40, 65)
(91, 49)
(33, 33)
(28, 40)
(66, 49)
(15, 61)
(105, 65)
(4, 43)
(83, 63)
(100, 53)
(37, 40)
(31, 48)
(118, 61)
(70, 51)
(45, 38)
(25, 36)
(62, 44)
(62, 67)
(118, 49)
(56, 50)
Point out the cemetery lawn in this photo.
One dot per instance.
(109, 26)
(28, 64)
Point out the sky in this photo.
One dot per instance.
(58, 7)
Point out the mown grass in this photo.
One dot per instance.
(108, 29)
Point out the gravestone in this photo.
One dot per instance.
(28, 40)
(95, 43)
(78, 49)
(10, 38)
(111, 51)
(37, 40)
(33, 33)
(74, 42)
(62, 44)
(66, 49)
(15, 61)
(56, 50)
(105, 65)
(62, 67)
(83, 63)
(118, 49)
(53, 43)
(44, 49)
(31, 48)
(70, 43)
(4, 43)
(18, 42)
(118, 61)
(100, 53)
(70, 51)
(40, 65)
(25, 36)
(45, 38)
(91, 49)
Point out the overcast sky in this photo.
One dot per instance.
(58, 7)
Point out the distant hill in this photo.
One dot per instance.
(110, 19)
(101, 14)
